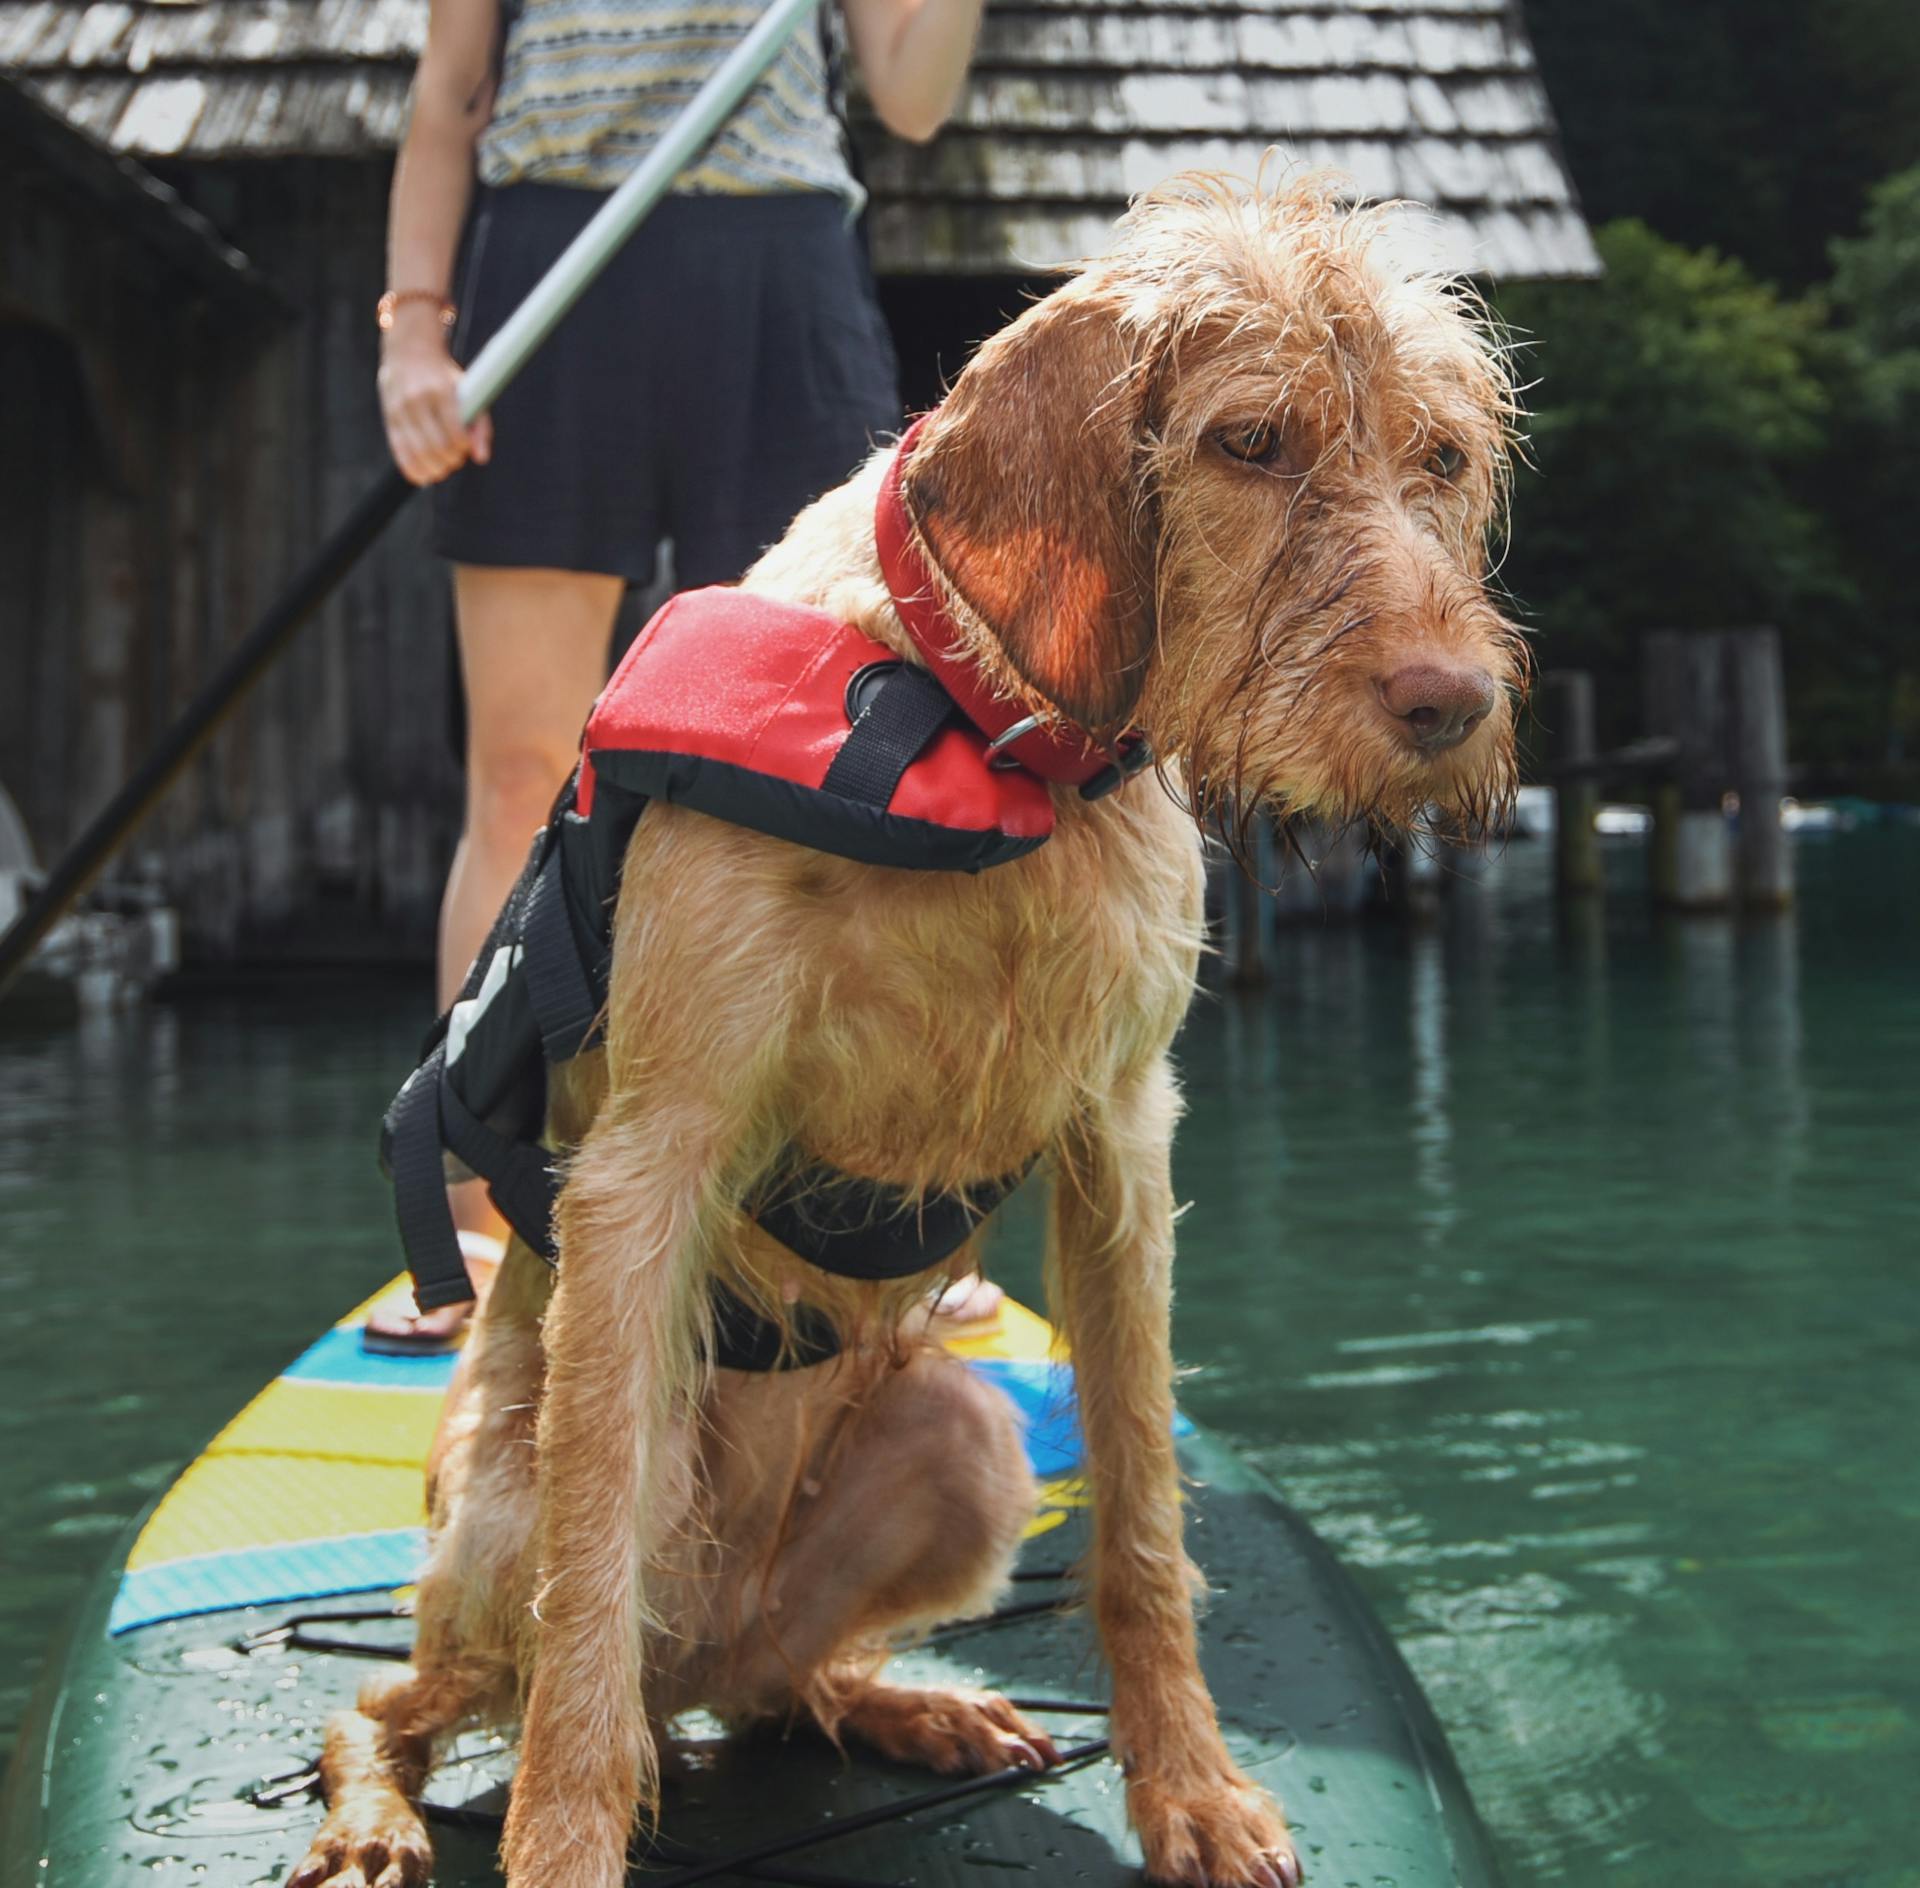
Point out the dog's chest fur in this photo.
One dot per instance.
(952, 1025)
(927, 1029)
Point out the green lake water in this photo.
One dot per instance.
(1568, 1279)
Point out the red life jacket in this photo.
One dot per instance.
(774, 716)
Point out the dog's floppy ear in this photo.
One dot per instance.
(1025, 489)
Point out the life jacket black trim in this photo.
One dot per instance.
(783, 810)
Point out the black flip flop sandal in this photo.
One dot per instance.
(407, 1343)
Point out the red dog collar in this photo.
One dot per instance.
(1056, 749)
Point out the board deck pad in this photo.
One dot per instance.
(316, 1487)
(141, 1761)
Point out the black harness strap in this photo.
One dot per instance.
(519, 1174)
(891, 727)
(863, 1229)
(420, 1189)
(563, 1000)
(744, 1340)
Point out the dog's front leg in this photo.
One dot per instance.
(1199, 1820)
(615, 1461)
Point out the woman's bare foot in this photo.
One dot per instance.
(430, 1329)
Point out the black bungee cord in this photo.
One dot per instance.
(758, 1861)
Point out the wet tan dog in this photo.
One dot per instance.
(1230, 486)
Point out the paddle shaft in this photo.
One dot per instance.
(492, 369)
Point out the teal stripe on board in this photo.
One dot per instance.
(339, 1358)
(260, 1576)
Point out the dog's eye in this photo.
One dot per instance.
(1258, 444)
(1444, 463)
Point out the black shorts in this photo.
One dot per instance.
(729, 365)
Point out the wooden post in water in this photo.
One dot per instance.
(1410, 877)
(1241, 903)
(1249, 907)
(1565, 718)
(1690, 859)
(1759, 714)
(1246, 959)
(1323, 870)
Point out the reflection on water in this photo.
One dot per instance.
(1562, 1270)
(1589, 1247)
(187, 1193)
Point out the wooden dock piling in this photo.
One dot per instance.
(1566, 721)
(1690, 859)
(1249, 913)
(1755, 685)
(1322, 869)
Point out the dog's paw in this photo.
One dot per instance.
(1222, 1834)
(954, 1732)
(367, 1848)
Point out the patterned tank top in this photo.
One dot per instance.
(586, 86)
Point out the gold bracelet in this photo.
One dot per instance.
(389, 303)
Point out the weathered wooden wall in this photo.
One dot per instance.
(176, 453)
(178, 446)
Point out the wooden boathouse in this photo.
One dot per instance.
(192, 206)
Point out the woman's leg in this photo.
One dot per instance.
(533, 655)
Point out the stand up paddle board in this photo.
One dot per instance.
(175, 1736)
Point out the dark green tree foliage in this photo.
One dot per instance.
(1876, 289)
(1754, 127)
(1675, 404)
(1711, 452)
(1870, 481)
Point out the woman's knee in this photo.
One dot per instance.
(511, 786)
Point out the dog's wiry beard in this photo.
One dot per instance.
(1268, 708)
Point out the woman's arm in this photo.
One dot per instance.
(913, 55)
(432, 186)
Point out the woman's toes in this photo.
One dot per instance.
(441, 1323)
(969, 1300)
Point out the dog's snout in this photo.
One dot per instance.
(1438, 705)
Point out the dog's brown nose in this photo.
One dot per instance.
(1439, 706)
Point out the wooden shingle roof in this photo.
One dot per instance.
(1073, 106)
(131, 197)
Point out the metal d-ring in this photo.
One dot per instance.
(996, 756)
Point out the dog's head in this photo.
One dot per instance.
(1233, 484)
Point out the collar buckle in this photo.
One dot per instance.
(1132, 755)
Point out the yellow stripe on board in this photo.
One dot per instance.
(339, 1422)
(1014, 1333)
(226, 1502)
(313, 1460)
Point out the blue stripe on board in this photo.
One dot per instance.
(1043, 1394)
(259, 1576)
(338, 1358)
